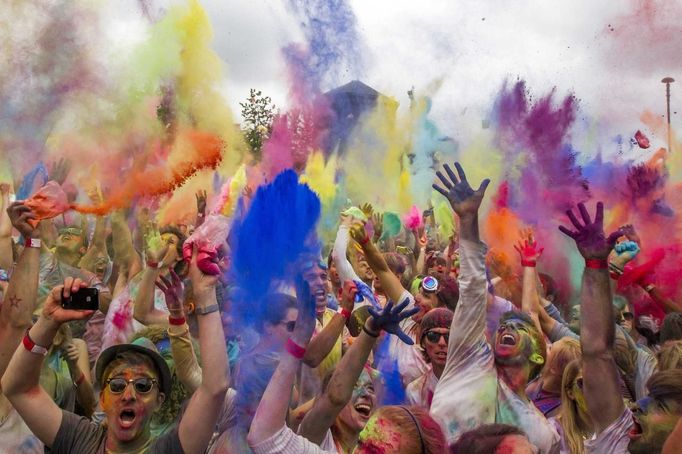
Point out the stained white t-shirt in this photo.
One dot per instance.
(470, 393)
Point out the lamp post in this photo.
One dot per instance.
(667, 81)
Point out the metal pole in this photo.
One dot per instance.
(667, 81)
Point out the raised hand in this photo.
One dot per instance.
(630, 233)
(589, 235)
(358, 232)
(389, 318)
(528, 248)
(203, 285)
(19, 215)
(53, 310)
(463, 199)
(71, 352)
(173, 290)
(156, 248)
(60, 170)
(348, 294)
(367, 209)
(378, 225)
(624, 252)
(201, 202)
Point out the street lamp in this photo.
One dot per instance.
(667, 81)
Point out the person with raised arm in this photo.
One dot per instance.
(656, 414)
(483, 384)
(134, 381)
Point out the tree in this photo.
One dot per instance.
(258, 113)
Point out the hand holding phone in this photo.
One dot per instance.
(85, 299)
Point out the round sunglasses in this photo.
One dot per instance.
(142, 385)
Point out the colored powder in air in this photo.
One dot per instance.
(194, 151)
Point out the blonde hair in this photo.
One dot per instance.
(563, 352)
(670, 356)
(568, 413)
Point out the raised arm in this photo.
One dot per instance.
(600, 373)
(343, 266)
(340, 389)
(469, 321)
(529, 252)
(20, 384)
(323, 342)
(389, 281)
(273, 408)
(6, 252)
(196, 426)
(143, 309)
(22, 290)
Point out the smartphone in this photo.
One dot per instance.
(86, 299)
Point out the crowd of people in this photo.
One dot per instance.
(400, 345)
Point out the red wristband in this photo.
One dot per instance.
(176, 321)
(614, 276)
(528, 263)
(597, 264)
(80, 379)
(294, 349)
(154, 265)
(365, 240)
(345, 312)
(32, 346)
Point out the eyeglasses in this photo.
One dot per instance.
(628, 316)
(142, 385)
(290, 326)
(430, 284)
(434, 337)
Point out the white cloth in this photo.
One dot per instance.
(420, 391)
(287, 442)
(614, 439)
(15, 436)
(469, 393)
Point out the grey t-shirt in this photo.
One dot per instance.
(78, 435)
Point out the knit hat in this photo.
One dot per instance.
(440, 317)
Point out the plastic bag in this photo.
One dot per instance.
(208, 238)
(48, 202)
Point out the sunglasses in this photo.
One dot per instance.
(290, 326)
(142, 385)
(434, 337)
(628, 316)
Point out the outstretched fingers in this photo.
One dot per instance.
(460, 172)
(447, 183)
(585, 215)
(567, 232)
(451, 174)
(574, 220)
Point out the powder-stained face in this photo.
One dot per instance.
(129, 413)
(380, 436)
(362, 404)
(516, 444)
(317, 278)
(514, 343)
(436, 351)
(653, 421)
(172, 256)
(425, 301)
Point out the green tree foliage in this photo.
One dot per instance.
(258, 112)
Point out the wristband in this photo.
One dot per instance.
(369, 333)
(155, 265)
(32, 242)
(294, 349)
(80, 379)
(649, 288)
(615, 268)
(345, 312)
(365, 240)
(206, 310)
(597, 264)
(528, 263)
(32, 347)
(176, 321)
(615, 276)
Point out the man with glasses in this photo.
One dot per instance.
(435, 334)
(134, 381)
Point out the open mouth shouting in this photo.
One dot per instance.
(126, 418)
(364, 409)
(507, 339)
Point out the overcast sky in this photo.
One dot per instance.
(610, 54)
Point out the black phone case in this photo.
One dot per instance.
(86, 299)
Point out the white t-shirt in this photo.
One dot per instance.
(420, 392)
(287, 442)
(614, 439)
(410, 361)
(469, 393)
(15, 436)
